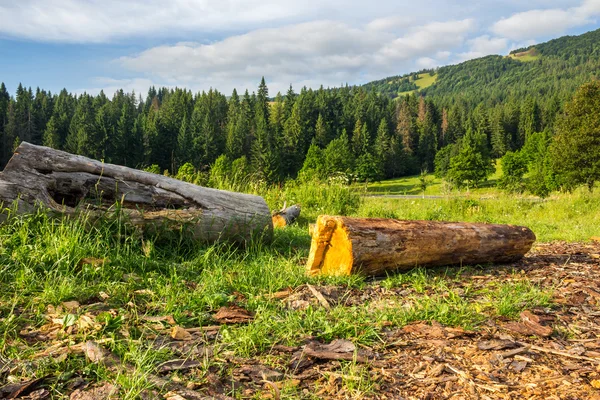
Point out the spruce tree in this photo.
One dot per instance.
(4, 102)
(288, 104)
(11, 131)
(185, 143)
(321, 132)
(472, 165)
(338, 156)
(405, 128)
(82, 137)
(314, 164)
(383, 150)
(360, 139)
(51, 136)
(265, 159)
(236, 135)
(575, 151)
(291, 147)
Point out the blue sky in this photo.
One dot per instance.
(93, 45)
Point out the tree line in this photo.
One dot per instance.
(351, 130)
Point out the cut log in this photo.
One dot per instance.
(374, 246)
(68, 184)
(286, 216)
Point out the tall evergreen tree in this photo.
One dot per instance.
(265, 159)
(321, 132)
(82, 138)
(575, 152)
(4, 102)
(236, 134)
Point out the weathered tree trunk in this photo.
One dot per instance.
(374, 246)
(286, 216)
(67, 184)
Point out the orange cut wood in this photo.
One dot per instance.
(375, 246)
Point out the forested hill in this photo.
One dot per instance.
(554, 68)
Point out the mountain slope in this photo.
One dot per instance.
(556, 67)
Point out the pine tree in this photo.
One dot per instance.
(11, 131)
(576, 147)
(127, 137)
(4, 103)
(82, 133)
(246, 124)
(51, 135)
(277, 120)
(499, 139)
(321, 132)
(472, 165)
(236, 134)
(288, 104)
(360, 139)
(291, 150)
(383, 150)
(530, 119)
(314, 164)
(64, 108)
(265, 159)
(444, 127)
(427, 137)
(338, 156)
(405, 128)
(184, 142)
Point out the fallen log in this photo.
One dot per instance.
(286, 216)
(68, 184)
(374, 246)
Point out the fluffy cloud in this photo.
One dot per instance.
(543, 23)
(110, 86)
(484, 45)
(391, 23)
(103, 20)
(328, 51)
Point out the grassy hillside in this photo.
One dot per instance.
(525, 56)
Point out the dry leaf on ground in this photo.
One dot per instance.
(232, 315)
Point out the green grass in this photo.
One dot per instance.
(526, 56)
(168, 275)
(425, 80)
(410, 185)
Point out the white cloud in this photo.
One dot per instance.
(98, 21)
(427, 39)
(543, 23)
(485, 45)
(110, 86)
(327, 52)
(427, 62)
(391, 23)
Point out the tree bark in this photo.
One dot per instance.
(374, 246)
(68, 184)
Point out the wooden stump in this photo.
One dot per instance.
(373, 246)
(286, 216)
(68, 184)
